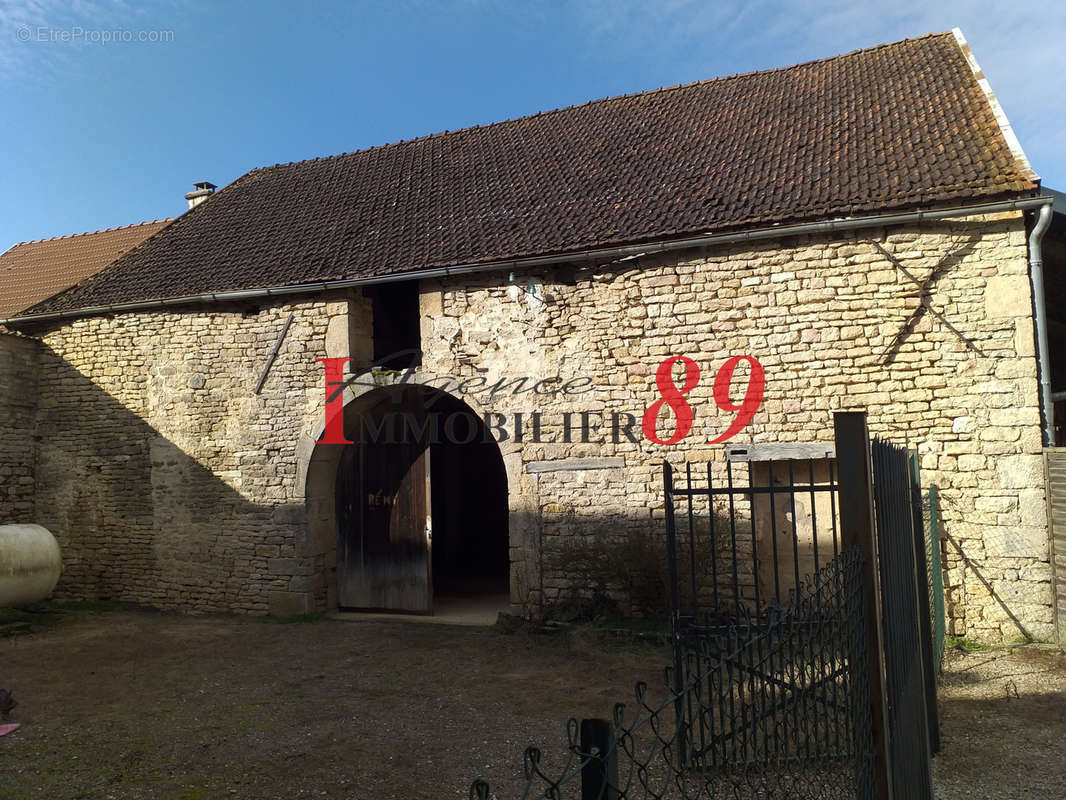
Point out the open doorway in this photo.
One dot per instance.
(421, 505)
(469, 500)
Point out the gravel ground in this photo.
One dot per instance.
(1003, 722)
(136, 704)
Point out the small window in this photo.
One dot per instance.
(396, 324)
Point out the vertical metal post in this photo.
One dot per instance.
(733, 537)
(599, 776)
(714, 540)
(925, 617)
(938, 574)
(773, 531)
(692, 547)
(671, 548)
(855, 469)
(675, 608)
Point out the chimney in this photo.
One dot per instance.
(200, 192)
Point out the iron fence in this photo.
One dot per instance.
(773, 707)
(804, 623)
(749, 538)
(909, 681)
(786, 695)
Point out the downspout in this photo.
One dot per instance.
(1036, 273)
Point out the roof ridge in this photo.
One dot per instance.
(1005, 128)
(91, 233)
(596, 101)
(635, 169)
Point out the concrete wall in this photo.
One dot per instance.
(18, 425)
(169, 482)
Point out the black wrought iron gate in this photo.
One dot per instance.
(813, 673)
(800, 665)
(768, 615)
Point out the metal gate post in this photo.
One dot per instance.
(855, 468)
(925, 617)
(675, 611)
(599, 776)
(671, 549)
(937, 577)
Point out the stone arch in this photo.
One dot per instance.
(317, 470)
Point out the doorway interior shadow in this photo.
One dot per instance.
(420, 505)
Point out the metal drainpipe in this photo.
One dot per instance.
(1036, 273)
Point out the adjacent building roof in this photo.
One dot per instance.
(34, 271)
(898, 126)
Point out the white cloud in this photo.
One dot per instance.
(32, 45)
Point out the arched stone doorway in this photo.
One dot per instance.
(414, 512)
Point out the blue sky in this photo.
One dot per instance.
(96, 133)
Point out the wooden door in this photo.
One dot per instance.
(383, 517)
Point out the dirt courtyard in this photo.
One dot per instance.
(1003, 723)
(137, 704)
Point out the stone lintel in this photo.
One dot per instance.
(575, 464)
(784, 451)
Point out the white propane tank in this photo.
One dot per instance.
(30, 564)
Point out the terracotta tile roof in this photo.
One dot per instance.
(34, 271)
(896, 126)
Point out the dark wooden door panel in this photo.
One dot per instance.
(382, 513)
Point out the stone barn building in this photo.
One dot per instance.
(866, 227)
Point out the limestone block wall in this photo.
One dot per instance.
(166, 479)
(837, 324)
(19, 357)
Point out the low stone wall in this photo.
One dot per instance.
(19, 359)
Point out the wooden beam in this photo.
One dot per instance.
(574, 464)
(780, 451)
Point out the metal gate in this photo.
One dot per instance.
(908, 640)
(801, 669)
(763, 543)
(770, 653)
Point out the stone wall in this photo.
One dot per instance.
(18, 426)
(168, 481)
(837, 326)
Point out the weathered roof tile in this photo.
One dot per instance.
(33, 271)
(891, 127)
